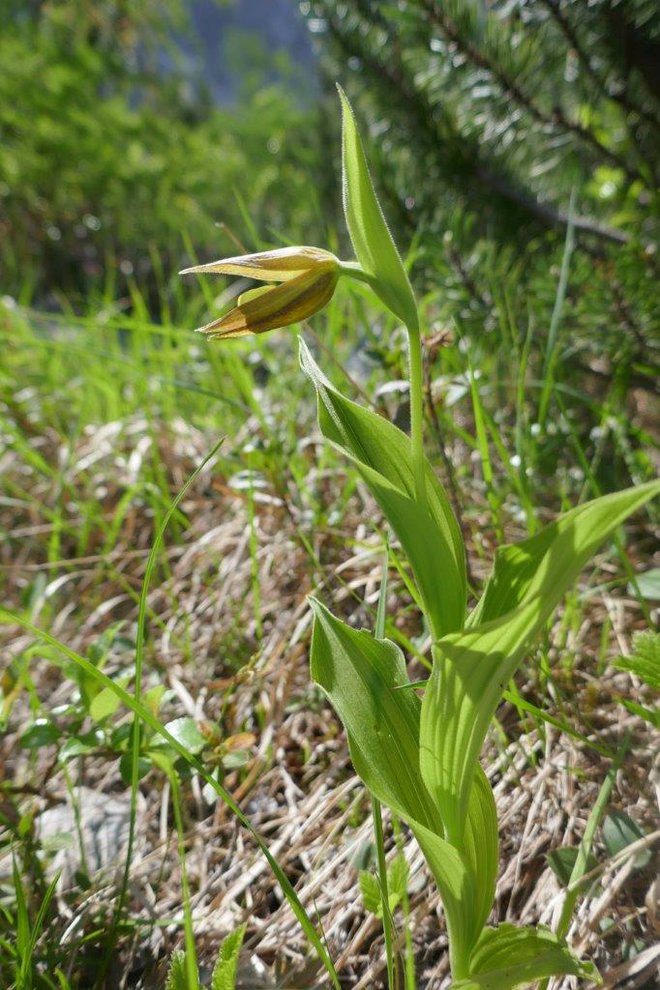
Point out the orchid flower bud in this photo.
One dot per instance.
(306, 278)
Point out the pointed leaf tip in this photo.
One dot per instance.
(370, 235)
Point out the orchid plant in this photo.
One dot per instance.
(420, 755)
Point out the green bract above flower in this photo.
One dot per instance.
(307, 277)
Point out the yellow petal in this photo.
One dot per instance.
(280, 306)
(252, 294)
(270, 266)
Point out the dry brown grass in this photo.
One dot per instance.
(297, 784)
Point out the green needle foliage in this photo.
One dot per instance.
(421, 756)
(508, 137)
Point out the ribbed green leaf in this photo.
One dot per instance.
(466, 878)
(468, 677)
(430, 538)
(226, 967)
(365, 679)
(506, 957)
(548, 563)
(370, 235)
(458, 890)
(472, 667)
(481, 845)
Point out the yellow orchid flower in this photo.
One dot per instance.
(307, 277)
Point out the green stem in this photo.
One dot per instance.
(192, 973)
(353, 270)
(417, 412)
(384, 891)
(405, 904)
(388, 925)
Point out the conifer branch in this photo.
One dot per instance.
(555, 119)
(619, 96)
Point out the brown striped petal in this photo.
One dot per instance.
(292, 301)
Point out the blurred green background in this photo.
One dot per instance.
(515, 146)
(115, 140)
(125, 125)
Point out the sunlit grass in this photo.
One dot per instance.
(106, 414)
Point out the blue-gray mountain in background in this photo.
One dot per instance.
(241, 37)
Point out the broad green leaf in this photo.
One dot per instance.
(506, 957)
(472, 667)
(40, 733)
(185, 731)
(431, 538)
(462, 693)
(619, 832)
(144, 765)
(370, 235)
(176, 976)
(548, 563)
(77, 746)
(362, 677)
(648, 583)
(105, 703)
(459, 892)
(481, 845)
(562, 862)
(226, 968)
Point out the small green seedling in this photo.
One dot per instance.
(397, 884)
(420, 756)
(225, 971)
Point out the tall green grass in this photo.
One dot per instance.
(67, 375)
